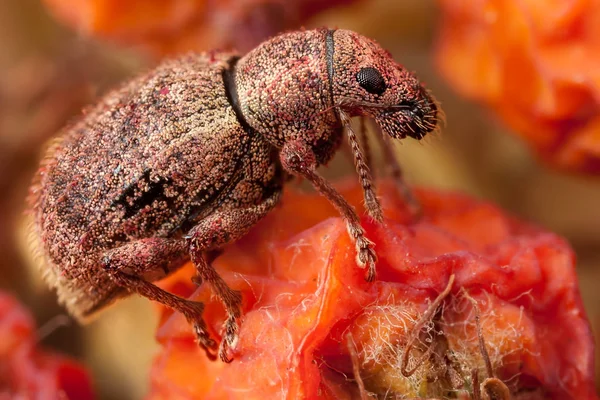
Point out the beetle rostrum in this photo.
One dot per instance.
(186, 158)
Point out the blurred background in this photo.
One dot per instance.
(520, 100)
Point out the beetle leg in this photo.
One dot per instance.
(362, 168)
(133, 265)
(210, 256)
(232, 299)
(364, 141)
(213, 232)
(396, 172)
(299, 159)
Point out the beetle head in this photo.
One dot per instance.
(367, 81)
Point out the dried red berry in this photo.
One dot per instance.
(26, 372)
(477, 297)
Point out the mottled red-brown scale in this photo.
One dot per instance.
(187, 157)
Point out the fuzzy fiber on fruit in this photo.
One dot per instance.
(466, 296)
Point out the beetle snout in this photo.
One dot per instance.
(427, 109)
(423, 115)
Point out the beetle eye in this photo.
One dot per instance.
(371, 80)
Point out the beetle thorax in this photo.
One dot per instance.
(284, 92)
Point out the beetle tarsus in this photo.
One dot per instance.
(205, 341)
(230, 338)
(366, 257)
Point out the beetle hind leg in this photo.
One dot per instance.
(191, 310)
(232, 299)
(212, 233)
(135, 265)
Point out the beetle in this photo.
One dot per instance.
(187, 157)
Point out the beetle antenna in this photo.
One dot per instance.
(345, 100)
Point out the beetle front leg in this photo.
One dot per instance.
(213, 232)
(361, 162)
(297, 158)
(396, 173)
(135, 265)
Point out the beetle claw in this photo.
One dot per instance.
(230, 339)
(197, 280)
(205, 341)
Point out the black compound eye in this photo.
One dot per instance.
(371, 80)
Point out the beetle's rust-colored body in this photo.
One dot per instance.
(156, 155)
(186, 158)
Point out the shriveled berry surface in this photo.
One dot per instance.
(28, 372)
(313, 328)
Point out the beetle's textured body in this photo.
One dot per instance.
(155, 155)
(184, 159)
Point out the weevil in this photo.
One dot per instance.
(186, 158)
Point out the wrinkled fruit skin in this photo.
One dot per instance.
(303, 296)
(27, 372)
(535, 64)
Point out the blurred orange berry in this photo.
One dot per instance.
(536, 64)
(182, 25)
(26, 372)
(313, 328)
